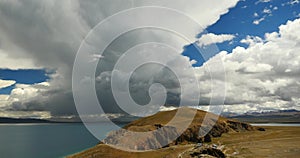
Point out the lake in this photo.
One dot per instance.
(46, 140)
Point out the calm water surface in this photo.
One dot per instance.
(46, 140)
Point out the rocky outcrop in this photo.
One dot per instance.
(204, 152)
(142, 141)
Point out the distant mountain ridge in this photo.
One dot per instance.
(279, 116)
(23, 120)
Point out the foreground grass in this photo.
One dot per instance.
(274, 142)
(104, 151)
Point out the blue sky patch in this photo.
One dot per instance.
(24, 76)
(248, 17)
(240, 20)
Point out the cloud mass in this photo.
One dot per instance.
(263, 75)
(47, 34)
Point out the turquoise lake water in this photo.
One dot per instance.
(46, 140)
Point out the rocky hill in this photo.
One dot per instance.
(214, 126)
(195, 133)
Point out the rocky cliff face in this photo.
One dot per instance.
(161, 134)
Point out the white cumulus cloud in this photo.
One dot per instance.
(265, 76)
(211, 38)
(258, 21)
(6, 83)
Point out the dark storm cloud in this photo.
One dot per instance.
(48, 34)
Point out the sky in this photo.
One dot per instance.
(257, 41)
